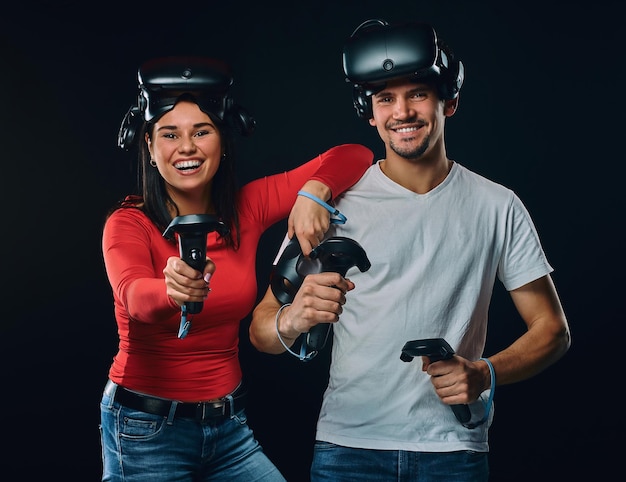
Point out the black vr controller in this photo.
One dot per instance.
(435, 349)
(192, 231)
(337, 254)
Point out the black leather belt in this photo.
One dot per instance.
(200, 411)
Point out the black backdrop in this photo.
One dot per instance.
(540, 112)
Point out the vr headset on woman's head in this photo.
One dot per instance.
(164, 80)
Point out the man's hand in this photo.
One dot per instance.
(457, 380)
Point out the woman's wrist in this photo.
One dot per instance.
(317, 189)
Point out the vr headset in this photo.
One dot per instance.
(161, 83)
(378, 52)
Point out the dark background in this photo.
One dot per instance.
(540, 112)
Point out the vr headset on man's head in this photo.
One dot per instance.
(378, 52)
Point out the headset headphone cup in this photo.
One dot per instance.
(161, 83)
(378, 51)
(362, 103)
(240, 119)
(131, 124)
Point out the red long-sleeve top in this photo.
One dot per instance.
(205, 364)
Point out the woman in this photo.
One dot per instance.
(174, 405)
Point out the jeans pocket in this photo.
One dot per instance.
(139, 425)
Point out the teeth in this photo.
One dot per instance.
(187, 165)
(406, 129)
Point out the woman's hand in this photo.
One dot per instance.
(186, 284)
(308, 220)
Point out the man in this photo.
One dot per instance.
(437, 236)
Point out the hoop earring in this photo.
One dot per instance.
(153, 162)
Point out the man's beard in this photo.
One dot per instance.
(411, 153)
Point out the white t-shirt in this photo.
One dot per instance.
(434, 260)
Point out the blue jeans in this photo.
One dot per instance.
(139, 446)
(334, 463)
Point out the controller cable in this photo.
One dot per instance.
(340, 219)
(489, 401)
(185, 323)
(303, 356)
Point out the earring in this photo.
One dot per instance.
(152, 162)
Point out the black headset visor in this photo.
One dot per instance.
(157, 105)
(378, 55)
